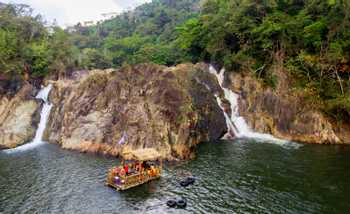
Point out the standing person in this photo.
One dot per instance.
(126, 169)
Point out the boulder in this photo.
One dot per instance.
(143, 106)
(18, 117)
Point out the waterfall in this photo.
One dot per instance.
(44, 115)
(237, 125)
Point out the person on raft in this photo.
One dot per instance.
(134, 168)
(126, 169)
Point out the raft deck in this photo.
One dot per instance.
(132, 181)
(138, 177)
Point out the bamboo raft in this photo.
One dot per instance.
(137, 177)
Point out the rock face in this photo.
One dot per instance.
(19, 117)
(283, 112)
(111, 111)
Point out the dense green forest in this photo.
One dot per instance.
(146, 34)
(28, 48)
(310, 39)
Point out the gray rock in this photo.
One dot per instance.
(153, 106)
(17, 118)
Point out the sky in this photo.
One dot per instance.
(70, 12)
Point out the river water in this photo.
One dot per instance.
(240, 176)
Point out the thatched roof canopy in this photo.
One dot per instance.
(142, 155)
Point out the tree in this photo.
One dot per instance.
(28, 48)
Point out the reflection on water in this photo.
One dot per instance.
(232, 177)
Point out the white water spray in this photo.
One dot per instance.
(44, 115)
(236, 125)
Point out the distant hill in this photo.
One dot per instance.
(146, 34)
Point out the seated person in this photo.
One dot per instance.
(132, 169)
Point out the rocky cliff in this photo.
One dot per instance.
(111, 111)
(284, 112)
(19, 116)
(169, 109)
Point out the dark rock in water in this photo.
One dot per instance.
(191, 180)
(171, 203)
(184, 183)
(3, 147)
(188, 181)
(169, 109)
(181, 203)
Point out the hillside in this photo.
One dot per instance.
(301, 45)
(146, 34)
(308, 40)
(30, 50)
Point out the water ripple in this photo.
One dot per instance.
(231, 177)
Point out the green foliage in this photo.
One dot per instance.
(161, 54)
(310, 37)
(339, 108)
(93, 58)
(27, 47)
(8, 50)
(147, 34)
(315, 34)
(189, 32)
(37, 56)
(190, 38)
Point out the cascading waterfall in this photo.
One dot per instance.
(44, 115)
(236, 125)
